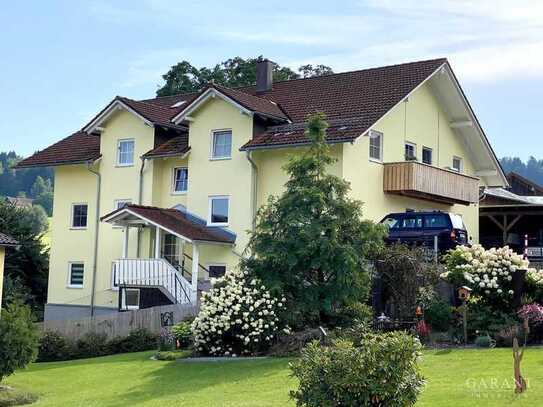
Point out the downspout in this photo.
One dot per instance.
(96, 228)
(140, 198)
(254, 188)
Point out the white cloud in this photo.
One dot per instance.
(486, 40)
(150, 66)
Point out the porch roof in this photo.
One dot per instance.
(175, 221)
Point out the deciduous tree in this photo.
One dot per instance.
(235, 72)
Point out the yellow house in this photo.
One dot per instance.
(5, 241)
(154, 197)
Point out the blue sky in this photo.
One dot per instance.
(62, 61)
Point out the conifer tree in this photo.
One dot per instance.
(311, 244)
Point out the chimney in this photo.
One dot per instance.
(264, 75)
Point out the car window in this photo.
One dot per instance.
(457, 221)
(392, 222)
(436, 221)
(411, 222)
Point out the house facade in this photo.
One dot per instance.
(154, 197)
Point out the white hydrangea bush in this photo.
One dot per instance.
(489, 273)
(238, 316)
(535, 277)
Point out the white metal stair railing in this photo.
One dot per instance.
(153, 273)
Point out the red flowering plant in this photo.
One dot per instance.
(533, 313)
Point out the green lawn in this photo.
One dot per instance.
(455, 378)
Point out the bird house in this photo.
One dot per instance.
(464, 293)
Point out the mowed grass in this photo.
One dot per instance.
(455, 378)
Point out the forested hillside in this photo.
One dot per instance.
(532, 169)
(36, 183)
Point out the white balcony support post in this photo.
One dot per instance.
(157, 242)
(125, 241)
(195, 262)
(180, 249)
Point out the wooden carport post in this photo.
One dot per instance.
(505, 227)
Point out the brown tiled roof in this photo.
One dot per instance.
(6, 240)
(174, 147)
(339, 131)
(78, 148)
(179, 222)
(352, 102)
(366, 95)
(254, 103)
(154, 113)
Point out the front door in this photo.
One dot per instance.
(170, 250)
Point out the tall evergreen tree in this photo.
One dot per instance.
(26, 267)
(311, 244)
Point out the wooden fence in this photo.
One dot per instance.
(121, 323)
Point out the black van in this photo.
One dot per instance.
(420, 228)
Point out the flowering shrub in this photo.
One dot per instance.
(535, 277)
(533, 313)
(375, 370)
(487, 272)
(238, 316)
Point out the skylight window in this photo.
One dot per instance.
(178, 104)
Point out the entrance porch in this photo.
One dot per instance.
(172, 272)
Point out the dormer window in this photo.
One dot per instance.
(221, 145)
(178, 104)
(125, 153)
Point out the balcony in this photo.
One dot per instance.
(423, 181)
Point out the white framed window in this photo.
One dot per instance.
(125, 152)
(376, 146)
(410, 151)
(457, 164)
(180, 180)
(216, 270)
(121, 203)
(427, 155)
(221, 144)
(218, 210)
(76, 274)
(79, 216)
(131, 298)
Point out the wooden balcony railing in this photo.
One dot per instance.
(423, 181)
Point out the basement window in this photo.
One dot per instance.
(76, 272)
(216, 270)
(131, 298)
